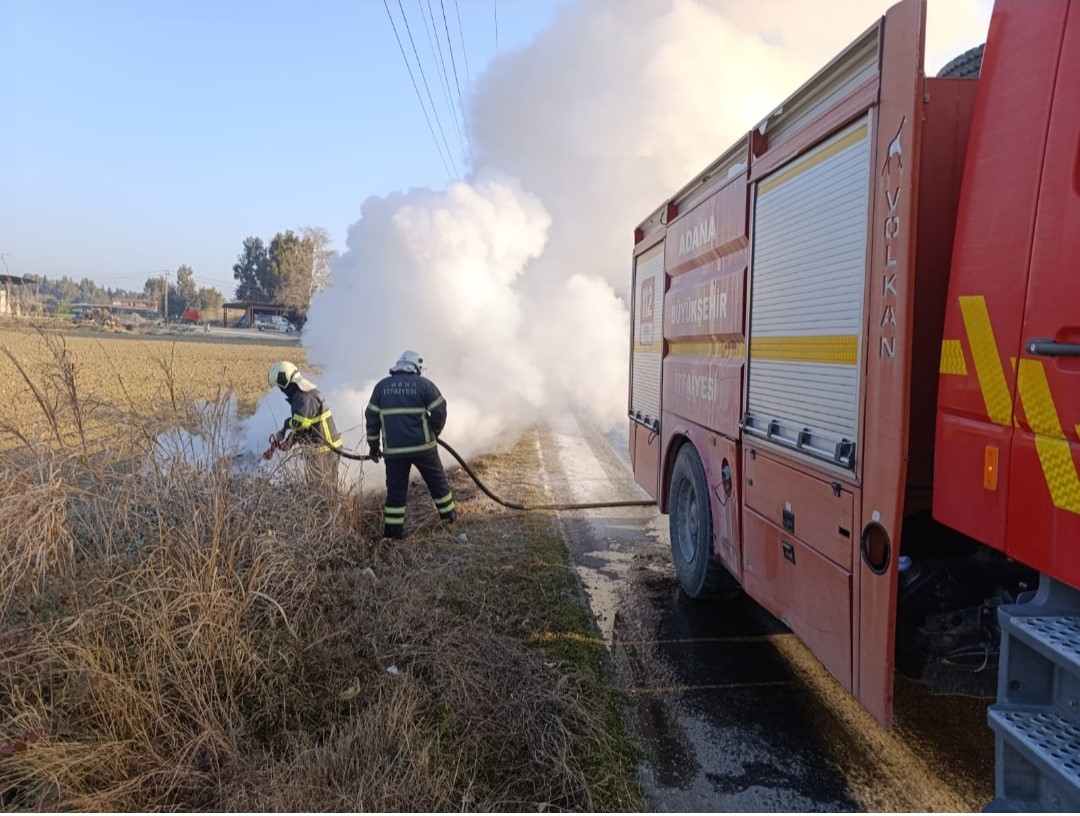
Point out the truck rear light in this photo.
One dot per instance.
(876, 549)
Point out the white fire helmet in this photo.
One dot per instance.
(282, 373)
(408, 361)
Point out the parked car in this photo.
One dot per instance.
(274, 323)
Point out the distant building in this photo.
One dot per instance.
(13, 293)
(135, 304)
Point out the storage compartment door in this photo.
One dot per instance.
(648, 337)
(806, 315)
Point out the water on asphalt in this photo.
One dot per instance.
(732, 710)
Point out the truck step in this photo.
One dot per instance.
(1056, 638)
(1036, 720)
(1049, 744)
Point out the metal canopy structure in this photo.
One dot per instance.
(249, 309)
(10, 290)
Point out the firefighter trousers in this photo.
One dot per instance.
(397, 489)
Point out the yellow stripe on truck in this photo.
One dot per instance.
(829, 350)
(1055, 454)
(774, 181)
(952, 358)
(707, 349)
(984, 352)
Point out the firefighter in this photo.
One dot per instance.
(311, 424)
(405, 415)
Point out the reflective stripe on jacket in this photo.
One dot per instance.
(407, 412)
(311, 422)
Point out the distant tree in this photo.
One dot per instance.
(120, 292)
(291, 267)
(90, 292)
(253, 273)
(318, 238)
(64, 289)
(186, 291)
(301, 266)
(209, 302)
(154, 288)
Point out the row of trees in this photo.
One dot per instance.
(289, 271)
(66, 290)
(183, 294)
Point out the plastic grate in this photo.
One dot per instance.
(1057, 740)
(1062, 634)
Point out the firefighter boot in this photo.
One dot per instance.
(393, 531)
(449, 517)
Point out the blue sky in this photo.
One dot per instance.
(138, 136)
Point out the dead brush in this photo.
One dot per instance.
(34, 535)
(179, 640)
(180, 634)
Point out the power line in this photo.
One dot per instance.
(453, 63)
(442, 68)
(464, 50)
(419, 98)
(427, 87)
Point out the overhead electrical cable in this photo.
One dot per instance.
(431, 99)
(441, 65)
(419, 98)
(453, 64)
(464, 50)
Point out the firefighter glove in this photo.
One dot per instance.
(375, 451)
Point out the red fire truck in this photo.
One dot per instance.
(855, 376)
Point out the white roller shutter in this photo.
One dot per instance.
(648, 336)
(806, 318)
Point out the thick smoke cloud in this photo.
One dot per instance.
(512, 284)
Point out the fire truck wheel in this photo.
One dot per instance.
(690, 514)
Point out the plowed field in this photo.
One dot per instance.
(117, 375)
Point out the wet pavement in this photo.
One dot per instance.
(734, 713)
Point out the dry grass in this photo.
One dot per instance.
(185, 636)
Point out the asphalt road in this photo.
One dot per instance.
(733, 711)
(198, 334)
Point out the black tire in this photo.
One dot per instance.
(966, 66)
(700, 574)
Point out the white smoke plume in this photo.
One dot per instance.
(512, 284)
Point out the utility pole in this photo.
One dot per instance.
(166, 297)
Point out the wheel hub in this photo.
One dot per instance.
(688, 521)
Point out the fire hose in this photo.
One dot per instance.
(357, 457)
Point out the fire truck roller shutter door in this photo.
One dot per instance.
(808, 277)
(648, 336)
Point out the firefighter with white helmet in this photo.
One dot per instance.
(311, 424)
(405, 416)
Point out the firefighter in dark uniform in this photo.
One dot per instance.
(311, 424)
(404, 416)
